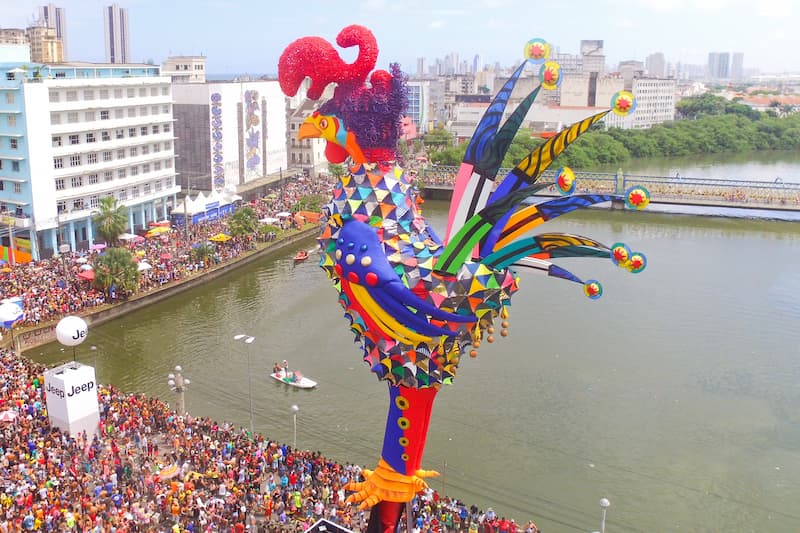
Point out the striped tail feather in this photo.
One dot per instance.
(546, 246)
(474, 180)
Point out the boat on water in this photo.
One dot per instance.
(300, 256)
(293, 379)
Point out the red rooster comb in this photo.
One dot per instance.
(371, 111)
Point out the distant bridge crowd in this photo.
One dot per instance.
(663, 189)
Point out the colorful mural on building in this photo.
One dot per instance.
(252, 122)
(217, 166)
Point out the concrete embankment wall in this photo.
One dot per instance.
(32, 337)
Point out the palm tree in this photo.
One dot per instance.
(111, 220)
(203, 252)
(116, 267)
(243, 221)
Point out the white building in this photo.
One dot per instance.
(229, 133)
(185, 69)
(73, 133)
(419, 105)
(117, 34)
(655, 104)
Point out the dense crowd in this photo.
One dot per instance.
(149, 469)
(53, 288)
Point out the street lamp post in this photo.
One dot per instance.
(178, 384)
(294, 419)
(604, 503)
(247, 339)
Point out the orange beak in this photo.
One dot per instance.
(308, 130)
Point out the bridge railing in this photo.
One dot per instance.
(662, 188)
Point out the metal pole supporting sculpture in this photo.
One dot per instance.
(414, 303)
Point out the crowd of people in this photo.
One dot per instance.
(150, 469)
(53, 288)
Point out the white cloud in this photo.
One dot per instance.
(625, 23)
(436, 24)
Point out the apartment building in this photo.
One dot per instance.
(73, 133)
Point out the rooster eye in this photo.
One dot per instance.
(323, 123)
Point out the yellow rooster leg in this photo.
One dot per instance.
(386, 484)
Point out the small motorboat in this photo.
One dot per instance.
(293, 379)
(300, 256)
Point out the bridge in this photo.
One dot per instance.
(437, 183)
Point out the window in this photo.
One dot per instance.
(77, 204)
(135, 191)
(155, 129)
(105, 136)
(154, 110)
(56, 141)
(55, 118)
(72, 96)
(165, 109)
(142, 111)
(122, 194)
(120, 154)
(88, 95)
(107, 156)
(142, 91)
(164, 91)
(54, 96)
(143, 130)
(9, 97)
(91, 159)
(103, 94)
(120, 134)
(131, 132)
(59, 184)
(134, 171)
(15, 166)
(145, 168)
(121, 173)
(74, 160)
(88, 116)
(72, 117)
(90, 138)
(12, 120)
(58, 162)
(158, 186)
(168, 164)
(13, 143)
(131, 112)
(61, 206)
(145, 149)
(131, 92)
(76, 181)
(18, 188)
(146, 188)
(166, 128)
(168, 145)
(119, 113)
(157, 165)
(117, 93)
(134, 151)
(104, 114)
(93, 179)
(108, 175)
(153, 91)
(156, 147)
(74, 139)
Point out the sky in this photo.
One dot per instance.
(248, 36)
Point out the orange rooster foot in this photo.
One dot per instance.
(386, 484)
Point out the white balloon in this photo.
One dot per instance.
(71, 330)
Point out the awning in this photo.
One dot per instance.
(88, 275)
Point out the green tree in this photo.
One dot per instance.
(116, 267)
(439, 139)
(310, 202)
(336, 170)
(243, 221)
(111, 220)
(203, 252)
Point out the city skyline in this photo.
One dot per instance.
(244, 36)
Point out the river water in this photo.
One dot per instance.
(675, 395)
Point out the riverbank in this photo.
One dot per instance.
(34, 336)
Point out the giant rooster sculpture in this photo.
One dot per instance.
(415, 304)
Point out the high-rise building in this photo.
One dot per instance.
(594, 60)
(53, 17)
(117, 35)
(656, 65)
(737, 66)
(477, 63)
(421, 71)
(46, 47)
(719, 65)
(110, 134)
